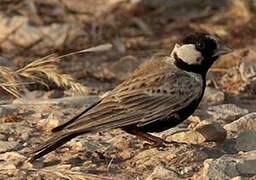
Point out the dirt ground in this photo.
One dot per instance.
(137, 30)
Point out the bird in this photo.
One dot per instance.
(159, 95)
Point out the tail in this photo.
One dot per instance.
(56, 141)
(64, 125)
(60, 136)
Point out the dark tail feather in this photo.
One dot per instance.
(62, 126)
(51, 144)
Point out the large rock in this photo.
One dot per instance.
(247, 122)
(229, 166)
(246, 141)
(205, 131)
(226, 112)
(218, 169)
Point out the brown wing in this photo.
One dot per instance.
(140, 101)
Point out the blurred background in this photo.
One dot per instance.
(137, 29)
(42, 84)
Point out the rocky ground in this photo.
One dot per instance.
(217, 142)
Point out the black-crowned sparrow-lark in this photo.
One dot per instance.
(159, 95)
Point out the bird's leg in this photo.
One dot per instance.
(156, 141)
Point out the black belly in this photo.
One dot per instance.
(172, 121)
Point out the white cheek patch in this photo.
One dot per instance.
(189, 54)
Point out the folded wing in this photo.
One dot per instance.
(139, 102)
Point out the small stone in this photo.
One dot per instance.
(247, 122)
(8, 110)
(75, 169)
(161, 173)
(246, 141)
(211, 131)
(240, 178)
(48, 124)
(5, 166)
(11, 156)
(77, 145)
(186, 170)
(121, 142)
(152, 157)
(213, 96)
(5, 62)
(9, 161)
(20, 130)
(89, 164)
(205, 131)
(190, 137)
(193, 121)
(7, 146)
(226, 112)
(247, 166)
(126, 153)
(81, 143)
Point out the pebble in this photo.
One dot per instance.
(7, 146)
(213, 96)
(211, 131)
(247, 122)
(205, 131)
(5, 166)
(189, 137)
(162, 173)
(19, 130)
(246, 141)
(48, 123)
(8, 110)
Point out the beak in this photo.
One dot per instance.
(222, 49)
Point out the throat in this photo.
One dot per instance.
(199, 69)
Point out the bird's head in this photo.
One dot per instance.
(198, 51)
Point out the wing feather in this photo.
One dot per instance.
(140, 106)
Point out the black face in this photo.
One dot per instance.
(203, 43)
(207, 45)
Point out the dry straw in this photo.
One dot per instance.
(12, 81)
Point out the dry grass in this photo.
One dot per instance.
(41, 71)
(8, 81)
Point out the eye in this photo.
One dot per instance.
(200, 45)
